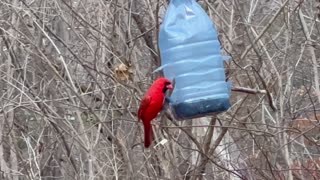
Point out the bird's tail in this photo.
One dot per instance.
(148, 134)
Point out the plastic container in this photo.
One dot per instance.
(190, 54)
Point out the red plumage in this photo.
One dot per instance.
(151, 105)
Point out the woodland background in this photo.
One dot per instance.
(72, 74)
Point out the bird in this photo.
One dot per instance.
(151, 104)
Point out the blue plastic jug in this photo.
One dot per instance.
(190, 54)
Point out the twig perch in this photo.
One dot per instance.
(248, 90)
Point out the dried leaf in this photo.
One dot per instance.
(123, 72)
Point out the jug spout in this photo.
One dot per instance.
(178, 2)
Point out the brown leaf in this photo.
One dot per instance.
(123, 72)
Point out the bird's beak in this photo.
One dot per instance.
(169, 86)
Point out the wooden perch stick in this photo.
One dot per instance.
(256, 91)
(248, 90)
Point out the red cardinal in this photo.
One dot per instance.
(151, 105)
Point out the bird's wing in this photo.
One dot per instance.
(143, 106)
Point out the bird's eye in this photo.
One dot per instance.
(167, 85)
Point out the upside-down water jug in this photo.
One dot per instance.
(190, 54)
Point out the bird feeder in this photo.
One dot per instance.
(190, 55)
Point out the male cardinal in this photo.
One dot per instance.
(151, 105)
